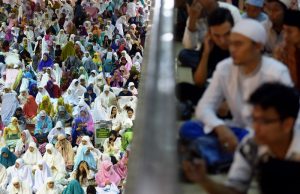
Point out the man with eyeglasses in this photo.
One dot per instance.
(272, 154)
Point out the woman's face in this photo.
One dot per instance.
(76, 83)
(84, 142)
(130, 114)
(31, 149)
(23, 93)
(114, 111)
(50, 185)
(49, 151)
(15, 122)
(40, 167)
(5, 155)
(45, 57)
(82, 113)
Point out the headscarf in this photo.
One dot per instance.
(30, 107)
(61, 102)
(46, 105)
(68, 51)
(20, 144)
(107, 173)
(22, 172)
(56, 132)
(10, 160)
(24, 188)
(41, 176)
(48, 63)
(65, 148)
(73, 188)
(32, 158)
(45, 190)
(83, 156)
(54, 159)
(87, 119)
(121, 167)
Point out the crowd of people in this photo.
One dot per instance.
(245, 66)
(70, 72)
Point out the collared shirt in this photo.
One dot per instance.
(247, 156)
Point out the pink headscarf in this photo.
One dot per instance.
(107, 173)
(121, 167)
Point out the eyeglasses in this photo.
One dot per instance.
(265, 121)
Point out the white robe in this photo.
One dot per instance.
(3, 177)
(55, 159)
(40, 176)
(32, 158)
(23, 173)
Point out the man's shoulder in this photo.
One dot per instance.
(270, 64)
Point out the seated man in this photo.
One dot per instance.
(214, 49)
(196, 28)
(274, 114)
(234, 80)
(289, 50)
(254, 10)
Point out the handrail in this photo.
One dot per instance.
(153, 161)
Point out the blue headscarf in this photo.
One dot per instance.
(76, 133)
(89, 158)
(48, 63)
(73, 188)
(10, 160)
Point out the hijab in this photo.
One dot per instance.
(10, 160)
(73, 188)
(84, 156)
(30, 107)
(107, 173)
(48, 63)
(41, 176)
(32, 158)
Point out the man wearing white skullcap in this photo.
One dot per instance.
(234, 79)
(254, 10)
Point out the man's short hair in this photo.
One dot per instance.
(220, 16)
(284, 99)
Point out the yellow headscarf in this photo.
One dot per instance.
(61, 102)
(47, 106)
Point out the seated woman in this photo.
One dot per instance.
(83, 174)
(32, 156)
(121, 167)
(73, 187)
(107, 175)
(7, 158)
(43, 127)
(42, 173)
(47, 106)
(18, 186)
(66, 150)
(23, 96)
(49, 187)
(21, 171)
(114, 117)
(83, 126)
(86, 141)
(45, 62)
(89, 95)
(56, 162)
(112, 145)
(12, 133)
(3, 177)
(57, 130)
(30, 109)
(63, 116)
(85, 155)
(117, 80)
(23, 143)
(53, 89)
(19, 114)
(61, 102)
(41, 93)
